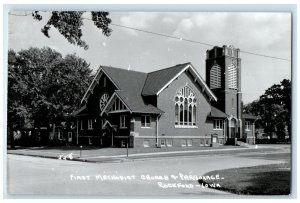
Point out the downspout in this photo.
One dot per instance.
(241, 128)
(224, 129)
(77, 131)
(239, 106)
(112, 137)
(157, 129)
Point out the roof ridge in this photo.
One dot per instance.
(123, 69)
(153, 72)
(170, 67)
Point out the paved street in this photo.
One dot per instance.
(34, 175)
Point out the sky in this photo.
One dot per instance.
(263, 33)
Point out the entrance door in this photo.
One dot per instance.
(232, 128)
(106, 139)
(233, 134)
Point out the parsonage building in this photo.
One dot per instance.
(173, 106)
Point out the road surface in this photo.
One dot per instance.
(160, 176)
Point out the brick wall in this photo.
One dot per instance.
(165, 102)
(175, 142)
(141, 131)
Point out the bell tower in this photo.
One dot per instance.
(223, 76)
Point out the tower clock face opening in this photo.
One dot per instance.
(103, 101)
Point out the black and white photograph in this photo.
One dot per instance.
(148, 103)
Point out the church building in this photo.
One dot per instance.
(170, 107)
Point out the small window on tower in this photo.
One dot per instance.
(232, 76)
(104, 82)
(215, 77)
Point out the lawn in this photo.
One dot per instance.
(259, 180)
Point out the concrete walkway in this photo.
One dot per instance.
(120, 154)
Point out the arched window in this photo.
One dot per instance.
(215, 77)
(232, 76)
(185, 107)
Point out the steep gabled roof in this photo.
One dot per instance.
(137, 104)
(133, 85)
(126, 80)
(250, 116)
(80, 111)
(129, 86)
(216, 113)
(157, 79)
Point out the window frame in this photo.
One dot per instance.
(81, 125)
(232, 76)
(169, 142)
(117, 106)
(70, 138)
(104, 81)
(202, 142)
(123, 143)
(183, 143)
(146, 143)
(90, 124)
(144, 117)
(215, 77)
(123, 122)
(60, 135)
(185, 108)
(189, 142)
(247, 126)
(163, 143)
(218, 124)
(206, 143)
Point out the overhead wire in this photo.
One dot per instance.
(193, 41)
(178, 38)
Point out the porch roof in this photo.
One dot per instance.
(216, 113)
(250, 116)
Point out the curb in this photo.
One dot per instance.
(139, 157)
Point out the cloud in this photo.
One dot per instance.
(168, 20)
(184, 27)
(138, 20)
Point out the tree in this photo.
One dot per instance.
(274, 108)
(69, 23)
(43, 86)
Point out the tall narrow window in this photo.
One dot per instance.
(60, 135)
(90, 124)
(123, 122)
(118, 105)
(247, 125)
(146, 121)
(104, 82)
(215, 77)
(185, 107)
(176, 114)
(232, 76)
(70, 136)
(194, 115)
(81, 125)
(218, 124)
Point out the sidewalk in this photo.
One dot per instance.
(92, 154)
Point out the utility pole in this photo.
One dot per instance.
(127, 146)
